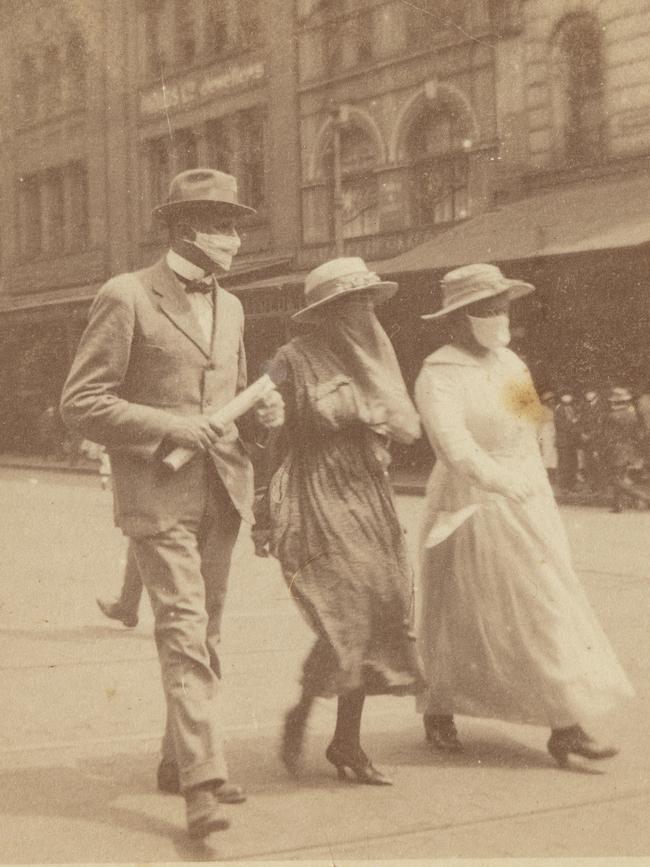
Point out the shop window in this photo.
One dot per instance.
(439, 167)
(219, 138)
(76, 70)
(216, 28)
(578, 77)
(252, 159)
(359, 189)
(184, 31)
(28, 88)
(250, 24)
(53, 205)
(426, 19)
(29, 216)
(52, 80)
(78, 224)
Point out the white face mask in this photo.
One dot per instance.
(492, 332)
(219, 248)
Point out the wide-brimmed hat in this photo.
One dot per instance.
(473, 283)
(340, 278)
(203, 187)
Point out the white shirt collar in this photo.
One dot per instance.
(184, 268)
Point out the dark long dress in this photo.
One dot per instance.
(336, 534)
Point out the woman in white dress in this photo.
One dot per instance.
(506, 629)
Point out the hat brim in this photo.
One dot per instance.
(381, 292)
(515, 288)
(166, 210)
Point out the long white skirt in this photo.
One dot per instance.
(506, 630)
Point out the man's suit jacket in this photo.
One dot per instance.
(142, 359)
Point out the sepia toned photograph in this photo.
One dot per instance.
(324, 431)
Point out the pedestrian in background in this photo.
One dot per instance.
(591, 420)
(546, 435)
(506, 629)
(162, 351)
(332, 517)
(623, 436)
(567, 436)
(125, 608)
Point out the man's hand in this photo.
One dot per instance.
(194, 432)
(269, 412)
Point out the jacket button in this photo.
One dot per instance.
(210, 366)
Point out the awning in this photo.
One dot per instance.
(594, 215)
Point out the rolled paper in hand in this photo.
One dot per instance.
(238, 406)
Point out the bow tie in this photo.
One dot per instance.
(204, 285)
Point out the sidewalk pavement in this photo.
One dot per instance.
(83, 710)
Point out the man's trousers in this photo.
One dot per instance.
(185, 570)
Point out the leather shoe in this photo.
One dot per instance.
(117, 611)
(441, 733)
(168, 782)
(203, 811)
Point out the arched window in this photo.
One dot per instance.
(76, 63)
(359, 192)
(577, 75)
(439, 167)
(28, 88)
(52, 80)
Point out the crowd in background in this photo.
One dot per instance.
(599, 441)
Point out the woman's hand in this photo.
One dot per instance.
(517, 488)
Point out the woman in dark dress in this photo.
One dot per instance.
(333, 524)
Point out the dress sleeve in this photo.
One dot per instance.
(439, 402)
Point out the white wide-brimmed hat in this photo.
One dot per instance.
(473, 283)
(340, 278)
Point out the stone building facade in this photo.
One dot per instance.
(415, 134)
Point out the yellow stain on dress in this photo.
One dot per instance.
(521, 399)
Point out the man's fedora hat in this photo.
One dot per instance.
(473, 283)
(341, 278)
(203, 187)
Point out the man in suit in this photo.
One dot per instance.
(163, 350)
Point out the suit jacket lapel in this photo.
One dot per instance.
(174, 303)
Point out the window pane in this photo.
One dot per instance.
(439, 168)
(76, 70)
(30, 216)
(217, 27)
(219, 145)
(28, 88)
(159, 170)
(78, 235)
(185, 36)
(53, 211)
(52, 80)
(250, 25)
(185, 150)
(251, 139)
(152, 37)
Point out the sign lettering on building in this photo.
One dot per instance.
(192, 90)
